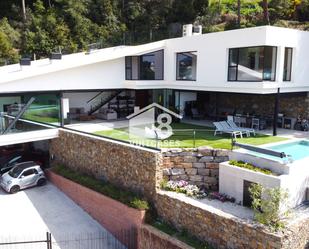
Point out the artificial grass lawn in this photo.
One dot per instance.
(204, 136)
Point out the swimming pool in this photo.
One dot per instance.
(297, 149)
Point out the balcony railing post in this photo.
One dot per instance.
(193, 138)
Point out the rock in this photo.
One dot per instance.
(214, 172)
(188, 153)
(189, 159)
(191, 171)
(222, 153)
(205, 150)
(196, 178)
(220, 159)
(167, 172)
(199, 165)
(203, 172)
(212, 165)
(176, 171)
(186, 165)
(179, 177)
(206, 159)
(210, 180)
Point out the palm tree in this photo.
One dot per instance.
(238, 13)
(23, 3)
(266, 12)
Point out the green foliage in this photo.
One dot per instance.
(182, 235)
(268, 204)
(72, 25)
(8, 39)
(129, 198)
(249, 166)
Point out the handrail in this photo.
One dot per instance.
(98, 94)
(260, 150)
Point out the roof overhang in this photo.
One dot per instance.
(30, 136)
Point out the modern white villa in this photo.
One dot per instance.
(257, 75)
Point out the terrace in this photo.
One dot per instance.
(185, 135)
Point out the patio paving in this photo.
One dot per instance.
(97, 125)
(287, 133)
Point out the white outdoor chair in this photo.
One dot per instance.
(220, 130)
(227, 127)
(230, 118)
(247, 130)
(255, 123)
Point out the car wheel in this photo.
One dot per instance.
(41, 182)
(14, 189)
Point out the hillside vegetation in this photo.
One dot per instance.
(45, 26)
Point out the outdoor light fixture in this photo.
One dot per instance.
(56, 56)
(25, 61)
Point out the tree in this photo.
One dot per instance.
(238, 12)
(8, 39)
(266, 12)
(23, 4)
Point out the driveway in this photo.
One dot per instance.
(29, 214)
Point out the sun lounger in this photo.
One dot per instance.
(221, 129)
(232, 124)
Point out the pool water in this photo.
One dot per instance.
(297, 150)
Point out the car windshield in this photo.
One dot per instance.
(15, 172)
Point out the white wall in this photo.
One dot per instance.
(79, 99)
(104, 75)
(231, 180)
(185, 96)
(212, 65)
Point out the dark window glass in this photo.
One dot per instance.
(28, 172)
(44, 109)
(252, 64)
(128, 68)
(288, 54)
(186, 66)
(145, 67)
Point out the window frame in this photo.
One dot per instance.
(284, 78)
(177, 70)
(229, 60)
(139, 66)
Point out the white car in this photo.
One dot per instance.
(21, 176)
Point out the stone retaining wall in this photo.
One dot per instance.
(152, 238)
(217, 228)
(199, 167)
(223, 230)
(290, 104)
(123, 165)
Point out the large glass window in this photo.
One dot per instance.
(186, 66)
(288, 54)
(145, 67)
(252, 64)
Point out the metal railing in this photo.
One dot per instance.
(122, 239)
(28, 243)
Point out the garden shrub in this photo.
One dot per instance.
(249, 166)
(267, 204)
(126, 197)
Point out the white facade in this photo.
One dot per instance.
(291, 177)
(105, 69)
